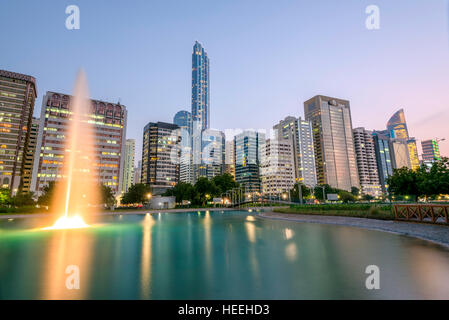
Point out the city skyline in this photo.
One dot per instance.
(378, 78)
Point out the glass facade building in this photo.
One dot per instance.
(17, 96)
(213, 146)
(300, 133)
(333, 141)
(397, 129)
(247, 156)
(183, 119)
(384, 157)
(200, 86)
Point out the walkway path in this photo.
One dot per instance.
(434, 233)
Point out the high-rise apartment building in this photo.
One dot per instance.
(333, 141)
(397, 129)
(277, 170)
(17, 96)
(212, 154)
(183, 119)
(229, 158)
(366, 162)
(430, 150)
(299, 132)
(109, 122)
(200, 86)
(128, 164)
(29, 157)
(160, 156)
(247, 154)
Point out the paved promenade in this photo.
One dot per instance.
(434, 233)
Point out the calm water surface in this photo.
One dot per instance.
(216, 255)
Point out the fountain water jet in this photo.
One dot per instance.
(77, 194)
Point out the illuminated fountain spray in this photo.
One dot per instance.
(77, 194)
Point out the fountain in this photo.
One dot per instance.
(77, 194)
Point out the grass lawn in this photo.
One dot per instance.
(381, 212)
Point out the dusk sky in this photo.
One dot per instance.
(266, 58)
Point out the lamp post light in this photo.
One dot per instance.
(149, 195)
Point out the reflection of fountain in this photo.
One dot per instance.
(77, 193)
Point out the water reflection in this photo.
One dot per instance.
(215, 255)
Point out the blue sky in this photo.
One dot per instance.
(267, 57)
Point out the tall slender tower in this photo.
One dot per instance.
(200, 104)
(200, 86)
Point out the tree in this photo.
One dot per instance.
(107, 196)
(205, 190)
(405, 181)
(137, 193)
(182, 191)
(306, 192)
(47, 195)
(224, 182)
(355, 191)
(23, 199)
(318, 191)
(346, 196)
(5, 198)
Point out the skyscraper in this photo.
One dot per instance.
(366, 162)
(430, 150)
(200, 104)
(160, 156)
(109, 120)
(397, 128)
(128, 164)
(183, 119)
(384, 157)
(247, 154)
(138, 172)
(17, 96)
(299, 132)
(333, 141)
(400, 154)
(277, 170)
(200, 86)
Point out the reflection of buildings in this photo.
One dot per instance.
(277, 168)
(247, 154)
(366, 162)
(128, 164)
(109, 123)
(17, 95)
(397, 128)
(29, 157)
(430, 150)
(299, 132)
(333, 141)
(160, 156)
